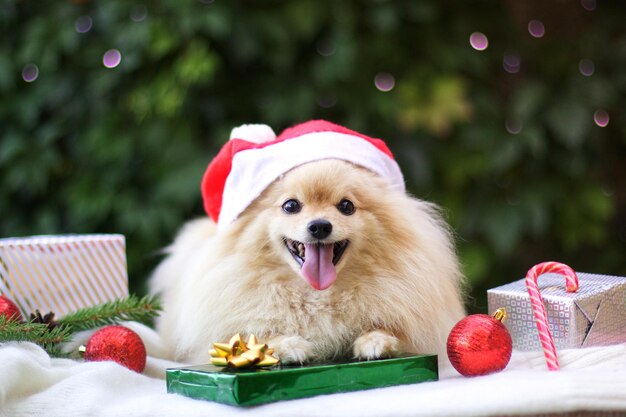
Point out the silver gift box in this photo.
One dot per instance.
(593, 316)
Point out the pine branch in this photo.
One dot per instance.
(41, 333)
(128, 309)
(11, 330)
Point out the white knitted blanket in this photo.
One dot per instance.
(32, 384)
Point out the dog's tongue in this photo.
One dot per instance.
(318, 268)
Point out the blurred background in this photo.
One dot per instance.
(509, 114)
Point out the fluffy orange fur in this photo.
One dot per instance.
(398, 286)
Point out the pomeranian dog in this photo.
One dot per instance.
(329, 262)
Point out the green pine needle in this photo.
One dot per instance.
(128, 309)
(132, 308)
(11, 330)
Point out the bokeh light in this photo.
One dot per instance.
(30, 73)
(139, 13)
(327, 101)
(83, 24)
(111, 58)
(601, 117)
(586, 67)
(479, 41)
(511, 62)
(325, 47)
(536, 28)
(384, 81)
(589, 5)
(513, 126)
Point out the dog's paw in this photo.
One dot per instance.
(292, 349)
(376, 344)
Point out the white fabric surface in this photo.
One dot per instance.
(32, 384)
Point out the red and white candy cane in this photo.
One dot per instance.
(571, 284)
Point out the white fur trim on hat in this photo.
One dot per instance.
(253, 170)
(253, 133)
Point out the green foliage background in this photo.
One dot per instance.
(85, 148)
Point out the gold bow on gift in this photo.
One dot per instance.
(238, 354)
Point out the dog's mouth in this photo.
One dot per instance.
(317, 260)
(299, 250)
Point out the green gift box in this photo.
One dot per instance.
(264, 385)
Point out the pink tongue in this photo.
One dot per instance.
(318, 268)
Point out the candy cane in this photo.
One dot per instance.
(571, 284)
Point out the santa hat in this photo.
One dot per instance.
(254, 157)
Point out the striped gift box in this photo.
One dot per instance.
(63, 273)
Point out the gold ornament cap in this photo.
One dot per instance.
(500, 314)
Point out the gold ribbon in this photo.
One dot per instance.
(238, 354)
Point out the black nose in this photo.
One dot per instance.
(320, 228)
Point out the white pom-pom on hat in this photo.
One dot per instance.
(257, 133)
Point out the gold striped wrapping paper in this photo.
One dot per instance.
(63, 273)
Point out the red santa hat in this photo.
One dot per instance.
(254, 157)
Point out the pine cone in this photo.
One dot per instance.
(48, 319)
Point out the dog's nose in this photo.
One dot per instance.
(320, 228)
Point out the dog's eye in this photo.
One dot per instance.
(346, 207)
(292, 206)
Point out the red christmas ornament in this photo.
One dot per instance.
(119, 344)
(9, 310)
(480, 344)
